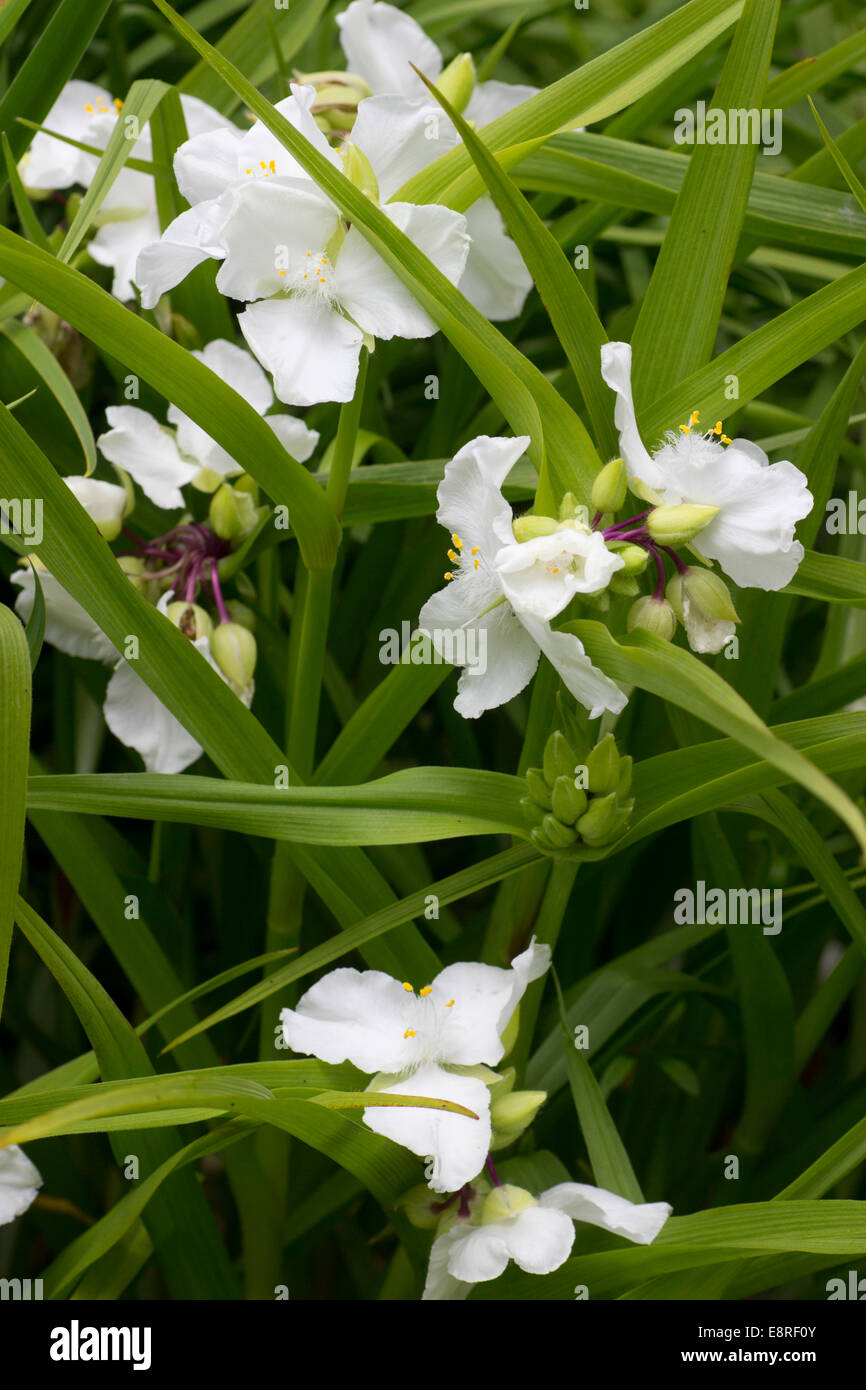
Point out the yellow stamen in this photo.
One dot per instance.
(686, 429)
(448, 575)
(118, 102)
(406, 985)
(476, 564)
(725, 439)
(452, 555)
(273, 166)
(456, 539)
(89, 108)
(428, 989)
(449, 1004)
(717, 428)
(410, 1033)
(282, 272)
(475, 549)
(695, 417)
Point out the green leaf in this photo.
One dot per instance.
(248, 45)
(646, 661)
(841, 162)
(35, 628)
(43, 362)
(683, 303)
(15, 693)
(831, 579)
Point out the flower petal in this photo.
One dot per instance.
(206, 164)
(50, 163)
(637, 1221)
(616, 371)
(381, 43)
(259, 149)
(542, 576)
(400, 136)
(187, 241)
(493, 99)
(68, 626)
(270, 227)
(371, 292)
(140, 720)
(595, 691)
(238, 369)
(20, 1181)
(457, 1144)
(119, 245)
(138, 444)
(505, 656)
(478, 1253)
(294, 435)
(356, 1016)
(539, 1239)
(482, 1000)
(495, 279)
(311, 351)
(470, 498)
(105, 503)
(440, 1283)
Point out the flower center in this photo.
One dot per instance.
(263, 169)
(715, 434)
(185, 557)
(314, 277)
(100, 109)
(429, 1017)
(457, 555)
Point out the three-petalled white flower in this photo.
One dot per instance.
(420, 1044)
(511, 590)
(20, 1181)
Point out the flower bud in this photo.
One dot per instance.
(359, 171)
(423, 1208)
(532, 811)
(594, 825)
(538, 788)
(652, 615)
(557, 834)
(513, 1114)
(602, 766)
(567, 801)
(610, 487)
(623, 786)
(678, 525)
(504, 1202)
(703, 605)
(457, 82)
(338, 95)
(105, 503)
(136, 573)
(207, 480)
(231, 514)
(529, 528)
(559, 758)
(623, 584)
(192, 620)
(634, 558)
(234, 651)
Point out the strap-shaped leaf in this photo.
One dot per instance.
(15, 693)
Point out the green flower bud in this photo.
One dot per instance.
(559, 835)
(703, 605)
(635, 559)
(457, 82)
(538, 788)
(231, 514)
(529, 528)
(240, 613)
(602, 766)
(623, 584)
(594, 825)
(504, 1202)
(234, 651)
(193, 621)
(678, 525)
(338, 95)
(512, 1115)
(532, 811)
(652, 615)
(423, 1208)
(207, 480)
(541, 842)
(244, 483)
(610, 487)
(559, 758)
(570, 508)
(567, 801)
(359, 171)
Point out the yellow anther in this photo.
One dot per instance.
(305, 277)
(410, 1033)
(452, 555)
(428, 989)
(449, 1004)
(249, 171)
(406, 985)
(554, 570)
(695, 417)
(725, 439)
(686, 429)
(273, 166)
(89, 108)
(456, 539)
(476, 564)
(282, 272)
(475, 549)
(118, 102)
(448, 575)
(717, 428)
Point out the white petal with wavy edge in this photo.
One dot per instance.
(381, 43)
(311, 351)
(68, 626)
(637, 1221)
(495, 280)
(148, 452)
(20, 1181)
(457, 1144)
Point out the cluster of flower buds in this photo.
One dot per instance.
(577, 797)
(234, 510)
(338, 95)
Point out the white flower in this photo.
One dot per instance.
(20, 1181)
(319, 287)
(759, 503)
(163, 460)
(500, 587)
(127, 218)
(417, 1044)
(382, 43)
(536, 1234)
(132, 712)
(408, 133)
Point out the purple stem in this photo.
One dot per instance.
(595, 520)
(659, 591)
(680, 564)
(638, 536)
(217, 594)
(492, 1171)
